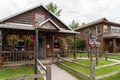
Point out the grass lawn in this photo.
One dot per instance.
(114, 77)
(114, 56)
(98, 72)
(107, 70)
(14, 72)
(77, 67)
(73, 73)
(101, 62)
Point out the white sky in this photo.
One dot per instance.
(79, 10)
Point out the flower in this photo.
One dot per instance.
(12, 37)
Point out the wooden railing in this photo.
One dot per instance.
(112, 56)
(91, 67)
(13, 56)
(40, 67)
(47, 70)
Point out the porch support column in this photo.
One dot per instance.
(53, 47)
(74, 46)
(36, 50)
(102, 45)
(0, 42)
(114, 45)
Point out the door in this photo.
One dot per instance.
(41, 50)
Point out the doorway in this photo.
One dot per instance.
(41, 50)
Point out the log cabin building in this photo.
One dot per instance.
(108, 33)
(17, 34)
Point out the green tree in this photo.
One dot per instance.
(53, 8)
(74, 24)
(80, 44)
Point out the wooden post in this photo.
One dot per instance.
(106, 56)
(74, 46)
(114, 45)
(48, 73)
(36, 50)
(0, 42)
(80, 54)
(92, 77)
(96, 56)
(58, 58)
(53, 47)
(91, 59)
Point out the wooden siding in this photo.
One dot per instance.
(28, 17)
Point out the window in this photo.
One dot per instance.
(39, 18)
(87, 31)
(105, 28)
(94, 30)
(97, 29)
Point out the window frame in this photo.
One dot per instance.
(38, 14)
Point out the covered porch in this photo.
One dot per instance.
(111, 42)
(51, 41)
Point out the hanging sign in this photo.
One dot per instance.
(93, 41)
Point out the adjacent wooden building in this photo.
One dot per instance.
(108, 33)
(17, 34)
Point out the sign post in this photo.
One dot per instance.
(94, 42)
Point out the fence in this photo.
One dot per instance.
(47, 70)
(90, 77)
(112, 55)
(40, 67)
(13, 56)
(79, 54)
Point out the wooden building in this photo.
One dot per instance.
(17, 34)
(107, 32)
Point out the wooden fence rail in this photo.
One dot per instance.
(47, 73)
(107, 55)
(91, 67)
(47, 70)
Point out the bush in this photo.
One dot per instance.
(80, 44)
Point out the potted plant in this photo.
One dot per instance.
(63, 43)
(12, 39)
(29, 39)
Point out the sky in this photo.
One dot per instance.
(83, 11)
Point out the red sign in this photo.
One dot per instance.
(94, 42)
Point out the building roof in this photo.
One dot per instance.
(102, 20)
(92, 23)
(11, 16)
(9, 25)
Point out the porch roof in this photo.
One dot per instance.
(111, 35)
(9, 25)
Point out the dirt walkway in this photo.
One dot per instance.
(59, 74)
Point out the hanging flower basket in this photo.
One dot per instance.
(13, 38)
(28, 38)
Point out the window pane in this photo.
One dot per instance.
(39, 18)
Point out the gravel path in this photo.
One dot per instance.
(60, 74)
